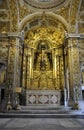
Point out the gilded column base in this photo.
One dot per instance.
(76, 106)
(9, 106)
(70, 103)
(18, 107)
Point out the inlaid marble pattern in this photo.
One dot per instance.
(47, 97)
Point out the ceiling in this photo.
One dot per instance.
(45, 4)
(14, 11)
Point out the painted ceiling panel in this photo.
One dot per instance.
(45, 4)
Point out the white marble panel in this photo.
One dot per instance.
(43, 97)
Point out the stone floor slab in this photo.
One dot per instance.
(41, 124)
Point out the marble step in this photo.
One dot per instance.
(41, 110)
(39, 107)
(26, 115)
(37, 111)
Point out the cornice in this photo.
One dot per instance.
(10, 34)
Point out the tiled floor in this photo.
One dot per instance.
(41, 124)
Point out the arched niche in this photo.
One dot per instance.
(44, 36)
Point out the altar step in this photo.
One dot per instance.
(41, 115)
(44, 109)
(42, 112)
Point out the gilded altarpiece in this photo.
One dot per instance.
(43, 65)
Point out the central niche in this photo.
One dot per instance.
(43, 67)
(42, 57)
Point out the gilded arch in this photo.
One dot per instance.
(28, 18)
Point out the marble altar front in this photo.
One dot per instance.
(43, 97)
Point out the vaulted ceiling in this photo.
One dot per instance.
(14, 12)
(46, 4)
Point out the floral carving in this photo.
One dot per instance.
(56, 36)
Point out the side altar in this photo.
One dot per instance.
(43, 97)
